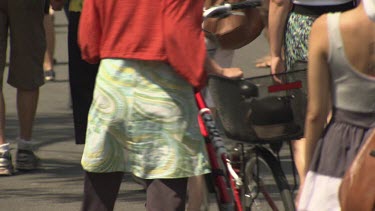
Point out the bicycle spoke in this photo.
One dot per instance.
(261, 186)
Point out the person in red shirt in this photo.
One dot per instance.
(143, 116)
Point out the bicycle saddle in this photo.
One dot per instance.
(248, 89)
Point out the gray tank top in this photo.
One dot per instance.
(351, 90)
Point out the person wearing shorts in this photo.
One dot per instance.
(24, 19)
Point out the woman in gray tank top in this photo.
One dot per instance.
(289, 26)
(341, 78)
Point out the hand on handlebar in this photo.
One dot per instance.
(217, 11)
(225, 9)
(232, 72)
(213, 68)
(277, 66)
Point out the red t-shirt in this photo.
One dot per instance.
(161, 30)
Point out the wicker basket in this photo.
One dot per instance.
(234, 100)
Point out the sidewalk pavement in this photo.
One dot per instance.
(58, 184)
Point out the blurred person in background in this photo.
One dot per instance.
(82, 74)
(49, 27)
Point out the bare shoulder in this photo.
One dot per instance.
(320, 26)
(320, 22)
(319, 34)
(355, 22)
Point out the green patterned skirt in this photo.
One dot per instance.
(143, 119)
(297, 38)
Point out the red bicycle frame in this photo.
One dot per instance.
(227, 193)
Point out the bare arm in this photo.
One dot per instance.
(278, 10)
(318, 89)
(90, 32)
(213, 68)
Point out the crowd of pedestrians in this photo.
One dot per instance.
(132, 81)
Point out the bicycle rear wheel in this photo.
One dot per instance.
(265, 184)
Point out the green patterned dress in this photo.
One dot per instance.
(297, 38)
(143, 120)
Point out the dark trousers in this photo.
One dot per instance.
(101, 190)
(166, 194)
(82, 77)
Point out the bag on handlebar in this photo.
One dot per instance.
(271, 117)
(234, 30)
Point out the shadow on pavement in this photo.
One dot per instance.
(59, 180)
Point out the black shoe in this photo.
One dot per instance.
(26, 160)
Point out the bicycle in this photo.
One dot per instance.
(245, 177)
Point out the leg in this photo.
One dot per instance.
(6, 166)
(166, 194)
(2, 118)
(264, 61)
(298, 156)
(196, 193)
(50, 38)
(100, 190)
(26, 71)
(298, 153)
(27, 101)
(82, 76)
(3, 52)
(295, 50)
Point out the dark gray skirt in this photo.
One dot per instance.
(341, 141)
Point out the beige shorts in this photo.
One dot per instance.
(24, 19)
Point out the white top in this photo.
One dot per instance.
(320, 2)
(369, 6)
(351, 89)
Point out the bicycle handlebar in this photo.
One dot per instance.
(246, 4)
(224, 9)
